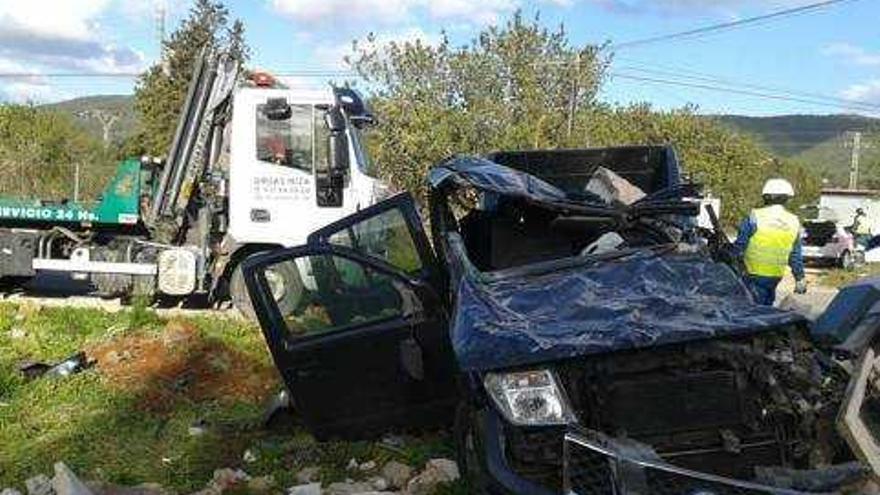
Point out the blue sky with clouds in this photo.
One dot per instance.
(827, 59)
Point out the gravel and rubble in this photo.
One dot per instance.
(392, 478)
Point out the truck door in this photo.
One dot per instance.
(279, 143)
(364, 348)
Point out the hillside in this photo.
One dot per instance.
(109, 118)
(820, 142)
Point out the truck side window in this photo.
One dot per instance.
(330, 293)
(290, 142)
(385, 236)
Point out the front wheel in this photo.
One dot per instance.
(285, 285)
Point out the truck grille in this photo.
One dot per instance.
(595, 466)
(694, 410)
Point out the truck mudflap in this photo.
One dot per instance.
(595, 464)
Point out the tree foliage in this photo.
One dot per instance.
(161, 90)
(522, 86)
(39, 151)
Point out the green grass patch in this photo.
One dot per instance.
(114, 427)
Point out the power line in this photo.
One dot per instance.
(756, 94)
(728, 25)
(681, 73)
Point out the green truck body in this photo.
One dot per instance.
(119, 204)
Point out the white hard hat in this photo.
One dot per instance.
(778, 187)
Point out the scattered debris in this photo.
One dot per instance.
(397, 474)
(352, 464)
(198, 428)
(613, 189)
(378, 482)
(307, 474)
(74, 364)
(39, 485)
(349, 488)
(249, 456)
(261, 484)
(367, 466)
(309, 489)
(436, 472)
(65, 482)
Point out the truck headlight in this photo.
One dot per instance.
(529, 397)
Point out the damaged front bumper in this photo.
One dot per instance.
(595, 464)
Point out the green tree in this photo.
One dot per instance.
(40, 150)
(161, 90)
(514, 86)
(523, 86)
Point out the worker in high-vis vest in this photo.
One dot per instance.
(769, 240)
(860, 228)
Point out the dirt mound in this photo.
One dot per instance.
(181, 365)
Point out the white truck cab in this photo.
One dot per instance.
(281, 154)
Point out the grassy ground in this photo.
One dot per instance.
(838, 278)
(127, 420)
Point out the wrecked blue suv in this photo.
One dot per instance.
(575, 325)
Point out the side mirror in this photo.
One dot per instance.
(330, 183)
(277, 109)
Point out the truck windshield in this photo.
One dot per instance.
(363, 159)
(291, 142)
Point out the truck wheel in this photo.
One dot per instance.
(284, 282)
(846, 261)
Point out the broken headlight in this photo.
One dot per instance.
(529, 397)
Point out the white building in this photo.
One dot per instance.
(842, 204)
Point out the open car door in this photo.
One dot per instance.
(355, 327)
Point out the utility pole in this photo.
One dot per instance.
(160, 27)
(572, 104)
(854, 160)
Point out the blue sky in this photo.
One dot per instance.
(833, 53)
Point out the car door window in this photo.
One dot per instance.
(385, 235)
(320, 294)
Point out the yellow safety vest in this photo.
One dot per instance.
(776, 231)
(862, 227)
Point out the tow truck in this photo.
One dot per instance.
(253, 166)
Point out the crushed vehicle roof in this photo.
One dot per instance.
(487, 175)
(638, 300)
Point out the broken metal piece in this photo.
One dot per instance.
(72, 365)
(826, 479)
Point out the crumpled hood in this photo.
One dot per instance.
(643, 300)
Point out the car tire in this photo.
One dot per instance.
(287, 290)
(846, 260)
(467, 443)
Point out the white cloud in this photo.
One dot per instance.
(332, 56)
(39, 37)
(867, 92)
(391, 12)
(63, 36)
(853, 54)
(480, 11)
